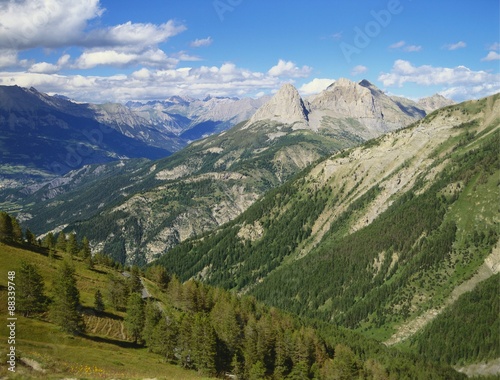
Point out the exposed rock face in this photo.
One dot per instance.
(367, 110)
(285, 107)
(365, 102)
(434, 102)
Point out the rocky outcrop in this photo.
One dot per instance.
(434, 102)
(286, 107)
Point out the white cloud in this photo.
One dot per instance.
(202, 42)
(458, 45)
(494, 46)
(132, 35)
(357, 70)
(412, 48)
(150, 57)
(289, 69)
(397, 45)
(8, 58)
(315, 86)
(459, 82)
(44, 68)
(146, 83)
(47, 23)
(492, 56)
(58, 23)
(401, 45)
(50, 68)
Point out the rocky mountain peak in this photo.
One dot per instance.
(286, 106)
(434, 102)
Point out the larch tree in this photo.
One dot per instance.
(134, 320)
(64, 310)
(30, 290)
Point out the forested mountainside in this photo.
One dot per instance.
(373, 238)
(162, 203)
(83, 316)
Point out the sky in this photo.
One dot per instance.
(115, 51)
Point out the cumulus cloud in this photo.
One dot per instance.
(315, 86)
(50, 68)
(48, 23)
(289, 69)
(147, 84)
(8, 58)
(201, 42)
(456, 46)
(357, 70)
(132, 35)
(460, 82)
(148, 57)
(492, 56)
(58, 23)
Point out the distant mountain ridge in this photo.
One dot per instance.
(46, 135)
(56, 135)
(215, 179)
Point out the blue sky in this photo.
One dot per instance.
(109, 50)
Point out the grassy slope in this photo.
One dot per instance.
(93, 355)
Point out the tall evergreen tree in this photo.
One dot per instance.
(17, 232)
(61, 241)
(85, 250)
(30, 290)
(66, 301)
(98, 301)
(6, 229)
(134, 320)
(49, 241)
(72, 245)
(135, 283)
(30, 237)
(204, 344)
(152, 316)
(118, 292)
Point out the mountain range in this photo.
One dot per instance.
(211, 181)
(386, 238)
(352, 209)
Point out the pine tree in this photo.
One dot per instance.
(66, 301)
(98, 301)
(30, 237)
(30, 290)
(85, 251)
(166, 334)
(72, 245)
(204, 344)
(17, 232)
(152, 317)
(6, 229)
(61, 242)
(159, 274)
(135, 284)
(118, 292)
(134, 320)
(49, 241)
